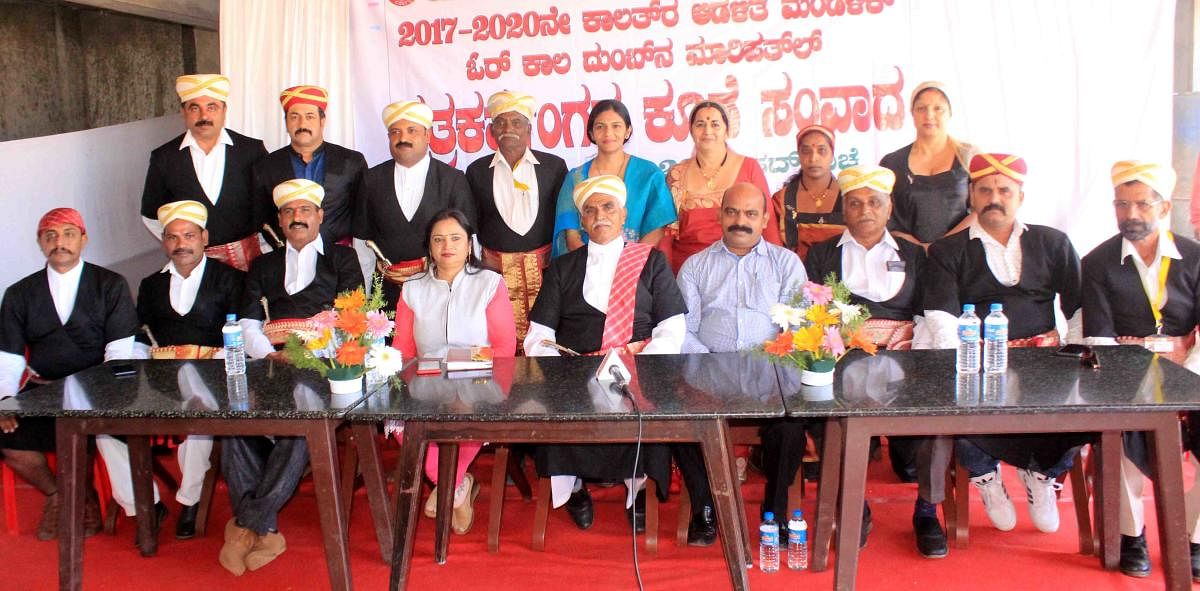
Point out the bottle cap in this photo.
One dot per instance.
(230, 317)
(968, 307)
(768, 516)
(997, 307)
(797, 514)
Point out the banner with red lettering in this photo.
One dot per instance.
(1071, 85)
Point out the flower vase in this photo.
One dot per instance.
(346, 382)
(819, 373)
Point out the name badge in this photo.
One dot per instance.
(895, 266)
(1159, 344)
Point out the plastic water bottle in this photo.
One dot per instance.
(966, 389)
(235, 346)
(797, 542)
(237, 391)
(768, 544)
(968, 340)
(995, 340)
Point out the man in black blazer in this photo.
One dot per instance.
(209, 164)
(401, 195)
(337, 169)
(515, 191)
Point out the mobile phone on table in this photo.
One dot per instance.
(1075, 351)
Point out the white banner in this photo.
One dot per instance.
(1071, 85)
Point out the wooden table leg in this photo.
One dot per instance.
(408, 478)
(372, 471)
(714, 444)
(71, 446)
(496, 500)
(447, 467)
(740, 503)
(322, 449)
(141, 473)
(853, 491)
(1168, 501)
(827, 492)
(1106, 491)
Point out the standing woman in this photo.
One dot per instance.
(698, 183)
(809, 205)
(930, 196)
(649, 205)
(460, 304)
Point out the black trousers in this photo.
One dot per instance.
(262, 476)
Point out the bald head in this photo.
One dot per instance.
(743, 217)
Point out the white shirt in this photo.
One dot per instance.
(518, 207)
(300, 266)
(865, 272)
(1149, 274)
(183, 289)
(409, 184)
(601, 268)
(1004, 260)
(63, 289)
(210, 167)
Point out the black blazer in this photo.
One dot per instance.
(171, 177)
(493, 232)
(344, 170)
(380, 218)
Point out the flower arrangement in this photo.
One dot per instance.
(818, 326)
(347, 340)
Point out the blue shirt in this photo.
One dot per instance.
(729, 297)
(314, 169)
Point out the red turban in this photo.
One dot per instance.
(1008, 165)
(59, 216)
(304, 95)
(821, 129)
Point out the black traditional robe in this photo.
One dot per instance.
(337, 271)
(220, 293)
(172, 177)
(494, 233)
(344, 172)
(957, 273)
(579, 326)
(826, 257)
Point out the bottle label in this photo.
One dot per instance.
(968, 333)
(997, 332)
(769, 538)
(232, 339)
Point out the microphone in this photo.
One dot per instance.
(618, 377)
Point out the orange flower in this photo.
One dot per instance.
(351, 353)
(808, 339)
(860, 340)
(781, 346)
(820, 316)
(353, 321)
(354, 300)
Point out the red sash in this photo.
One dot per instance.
(400, 272)
(1046, 339)
(183, 352)
(237, 254)
(278, 331)
(618, 323)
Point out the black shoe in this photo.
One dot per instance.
(703, 529)
(1196, 563)
(1135, 557)
(637, 513)
(579, 506)
(931, 538)
(185, 528)
(866, 527)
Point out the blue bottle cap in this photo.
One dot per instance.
(968, 307)
(797, 514)
(768, 516)
(230, 317)
(997, 307)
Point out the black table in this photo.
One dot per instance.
(554, 400)
(919, 393)
(186, 397)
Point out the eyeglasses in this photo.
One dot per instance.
(1142, 206)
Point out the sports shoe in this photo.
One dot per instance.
(1043, 502)
(995, 499)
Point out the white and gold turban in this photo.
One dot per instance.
(298, 189)
(507, 101)
(194, 86)
(605, 184)
(1159, 177)
(870, 176)
(192, 211)
(414, 111)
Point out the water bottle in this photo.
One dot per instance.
(235, 346)
(968, 340)
(797, 542)
(994, 388)
(768, 544)
(995, 340)
(966, 389)
(238, 392)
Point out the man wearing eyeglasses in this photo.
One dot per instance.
(1142, 287)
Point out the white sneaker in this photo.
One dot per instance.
(1043, 502)
(995, 499)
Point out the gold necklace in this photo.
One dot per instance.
(710, 182)
(819, 199)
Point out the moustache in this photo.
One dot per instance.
(404, 144)
(295, 225)
(204, 123)
(993, 207)
(181, 251)
(1135, 229)
(61, 250)
(513, 136)
(737, 228)
(302, 130)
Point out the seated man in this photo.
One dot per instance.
(610, 295)
(1142, 286)
(67, 317)
(729, 289)
(998, 259)
(296, 282)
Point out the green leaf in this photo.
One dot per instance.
(302, 358)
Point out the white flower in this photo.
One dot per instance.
(384, 359)
(785, 316)
(848, 312)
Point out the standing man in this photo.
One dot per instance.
(612, 294)
(729, 288)
(338, 170)
(211, 164)
(998, 259)
(1142, 287)
(401, 195)
(65, 318)
(515, 191)
(296, 282)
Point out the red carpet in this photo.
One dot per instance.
(596, 559)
